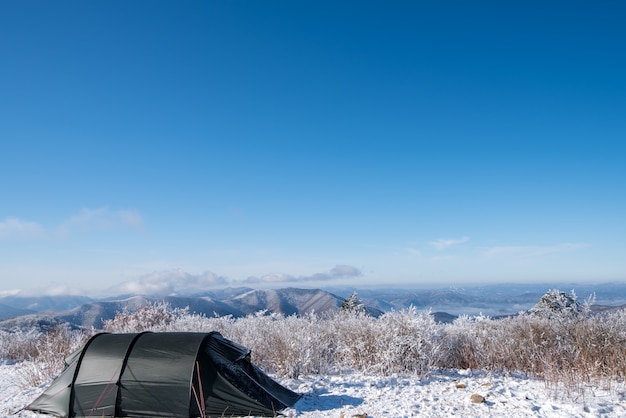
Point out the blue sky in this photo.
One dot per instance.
(154, 146)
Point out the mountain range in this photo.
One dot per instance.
(445, 304)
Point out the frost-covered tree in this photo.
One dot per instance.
(353, 304)
(558, 303)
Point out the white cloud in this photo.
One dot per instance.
(531, 250)
(62, 290)
(170, 282)
(343, 270)
(14, 292)
(102, 219)
(179, 282)
(270, 278)
(444, 244)
(14, 228)
(340, 271)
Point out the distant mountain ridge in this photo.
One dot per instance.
(7, 311)
(446, 304)
(287, 301)
(242, 302)
(44, 303)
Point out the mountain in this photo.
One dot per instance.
(605, 308)
(44, 303)
(290, 301)
(446, 304)
(7, 311)
(84, 316)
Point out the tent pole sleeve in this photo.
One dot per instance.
(118, 400)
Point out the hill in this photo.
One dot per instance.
(289, 301)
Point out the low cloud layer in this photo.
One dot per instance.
(170, 282)
(338, 272)
(179, 282)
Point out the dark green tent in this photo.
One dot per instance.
(170, 374)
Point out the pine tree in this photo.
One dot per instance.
(353, 304)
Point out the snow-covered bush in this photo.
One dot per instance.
(566, 345)
(43, 353)
(156, 316)
(561, 347)
(18, 344)
(287, 346)
(397, 342)
(567, 349)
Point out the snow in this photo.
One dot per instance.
(449, 394)
(444, 393)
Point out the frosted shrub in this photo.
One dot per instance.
(355, 335)
(569, 349)
(156, 316)
(599, 345)
(567, 346)
(287, 346)
(397, 342)
(459, 345)
(518, 344)
(409, 342)
(47, 352)
(18, 344)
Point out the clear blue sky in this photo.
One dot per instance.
(172, 144)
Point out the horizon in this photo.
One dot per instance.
(512, 288)
(156, 146)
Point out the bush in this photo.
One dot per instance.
(18, 344)
(565, 346)
(157, 316)
(43, 353)
(560, 347)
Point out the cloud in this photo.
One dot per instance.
(343, 270)
(5, 293)
(171, 282)
(444, 244)
(179, 282)
(340, 271)
(270, 278)
(14, 228)
(102, 219)
(531, 250)
(62, 290)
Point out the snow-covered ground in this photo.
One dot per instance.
(450, 394)
(443, 394)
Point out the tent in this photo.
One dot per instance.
(169, 374)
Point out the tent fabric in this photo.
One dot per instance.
(170, 374)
